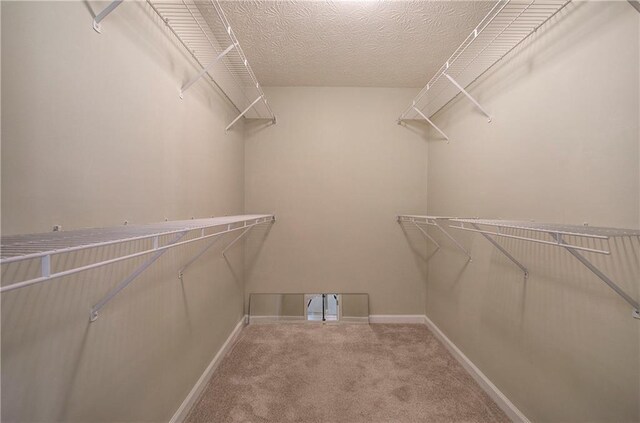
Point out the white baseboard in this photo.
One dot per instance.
(351, 319)
(194, 394)
(396, 318)
(279, 319)
(503, 402)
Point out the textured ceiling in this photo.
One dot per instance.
(351, 43)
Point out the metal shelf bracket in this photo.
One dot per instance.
(122, 285)
(463, 91)
(418, 111)
(231, 244)
(243, 113)
(426, 235)
(433, 221)
(557, 233)
(455, 241)
(105, 12)
(502, 250)
(636, 306)
(205, 70)
(196, 257)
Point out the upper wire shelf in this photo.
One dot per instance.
(506, 25)
(204, 30)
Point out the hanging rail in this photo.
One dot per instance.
(433, 221)
(557, 233)
(44, 246)
(508, 23)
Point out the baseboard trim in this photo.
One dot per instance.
(396, 318)
(350, 319)
(278, 319)
(181, 413)
(485, 383)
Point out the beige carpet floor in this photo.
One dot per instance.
(342, 373)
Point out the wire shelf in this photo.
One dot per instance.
(506, 25)
(570, 230)
(554, 235)
(203, 29)
(16, 248)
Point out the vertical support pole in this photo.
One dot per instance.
(205, 70)
(455, 241)
(243, 112)
(105, 12)
(503, 251)
(122, 285)
(463, 91)
(431, 123)
(598, 273)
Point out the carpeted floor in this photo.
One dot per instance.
(342, 373)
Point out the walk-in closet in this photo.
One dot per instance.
(320, 211)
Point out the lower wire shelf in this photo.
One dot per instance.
(157, 239)
(558, 235)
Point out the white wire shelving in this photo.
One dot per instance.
(563, 236)
(204, 30)
(435, 221)
(506, 25)
(156, 238)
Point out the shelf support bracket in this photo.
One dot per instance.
(105, 12)
(503, 251)
(431, 123)
(636, 307)
(243, 112)
(205, 70)
(463, 91)
(197, 256)
(224, 252)
(122, 285)
(426, 235)
(455, 241)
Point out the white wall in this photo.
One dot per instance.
(336, 170)
(93, 134)
(563, 147)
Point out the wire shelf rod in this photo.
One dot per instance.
(254, 220)
(93, 238)
(539, 241)
(557, 233)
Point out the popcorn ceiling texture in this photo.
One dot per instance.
(351, 43)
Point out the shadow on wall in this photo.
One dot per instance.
(420, 129)
(519, 317)
(57, 366)
(143, 31)
(540, 48)
(253, 126)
